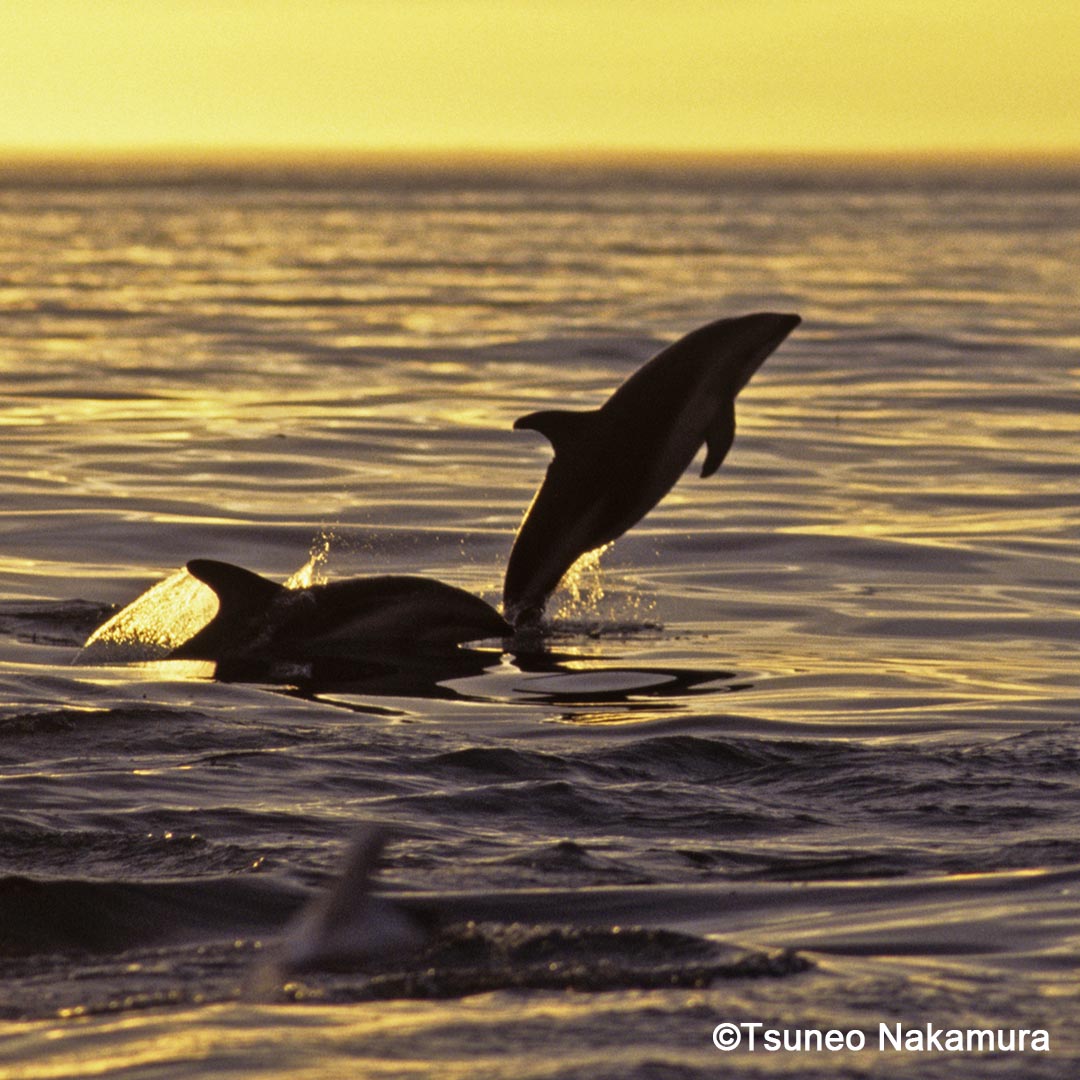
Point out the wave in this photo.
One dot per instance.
(55, 915)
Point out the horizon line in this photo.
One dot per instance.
(244, 154)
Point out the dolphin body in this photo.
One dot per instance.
(259, 619)
(612, 465)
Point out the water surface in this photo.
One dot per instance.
(818, 712)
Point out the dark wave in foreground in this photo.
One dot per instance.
(158, 943)
(43, 915)
(151, 944)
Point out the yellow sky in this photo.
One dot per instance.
(727, 75)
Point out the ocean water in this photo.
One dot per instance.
(803, 751)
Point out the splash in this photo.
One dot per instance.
(584, 585)
(589, 607)
(152, 626)
(313, 572)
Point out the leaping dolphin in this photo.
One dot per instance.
(612, 465)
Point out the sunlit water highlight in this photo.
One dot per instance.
(825, 701)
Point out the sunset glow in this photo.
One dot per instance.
(772, 75)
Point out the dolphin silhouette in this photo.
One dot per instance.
(612, 465)
(259, 619)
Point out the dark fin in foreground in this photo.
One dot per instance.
(345, 926)
(559, 426)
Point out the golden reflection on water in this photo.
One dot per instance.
(391, 1039)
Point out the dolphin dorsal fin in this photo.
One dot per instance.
(356, 880)
(560, 427)
(235, 586)
(719, 436)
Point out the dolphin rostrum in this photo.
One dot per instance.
(259, 619)
(612, 465)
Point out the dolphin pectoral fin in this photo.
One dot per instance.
(234, 585)
(719, 436)
(560, 427)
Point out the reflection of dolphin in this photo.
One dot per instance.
(259, 619)
(613, 464)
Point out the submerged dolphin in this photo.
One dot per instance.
(452, 944)
(259, 619)
(612, 465)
